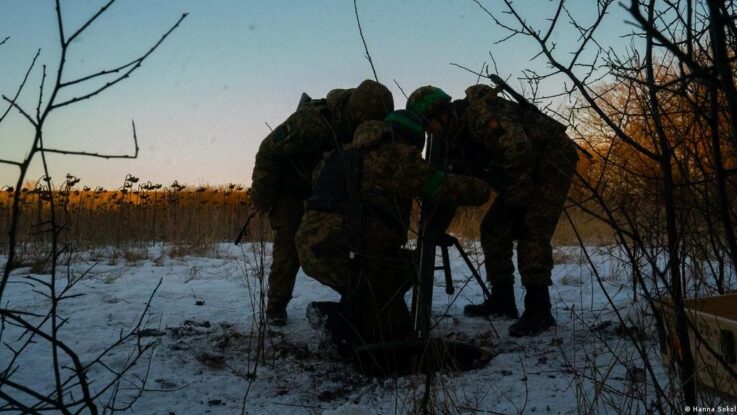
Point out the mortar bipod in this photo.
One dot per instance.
(444, 242)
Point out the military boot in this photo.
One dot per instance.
(277, 316)
(537, 316)
(501, 303)
(330, 318)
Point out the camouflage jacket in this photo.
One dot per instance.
(287, 157)
(393, 173)
(494, 139)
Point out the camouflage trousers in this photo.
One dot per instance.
(330, 270)
(378, 295)
(375, 295)
(285, 218)
(532, 226)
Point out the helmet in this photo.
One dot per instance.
(407, 125)
(369, 101)
(480, 91)
(336, 96)
(428, 101)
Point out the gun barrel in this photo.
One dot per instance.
(525, 103)
(244, 229)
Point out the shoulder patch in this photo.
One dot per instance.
(493, 123)
(495, 126)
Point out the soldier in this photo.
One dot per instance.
(282, 175)
(382, 170)
(528, 159)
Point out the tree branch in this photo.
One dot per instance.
(98, 155)
(89, 21)
(360, 31)
(20, 88)
(23, 112)
(125, 75)
(11, 162)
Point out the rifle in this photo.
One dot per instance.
(303, 99)
(244, 229)
(528, 106)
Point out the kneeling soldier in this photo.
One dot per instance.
(358, 216)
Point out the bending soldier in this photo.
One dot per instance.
(528, 159)
(284, 166)
(388, 172)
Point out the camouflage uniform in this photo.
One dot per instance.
(282, 175)
(392, 174)
(529, 161)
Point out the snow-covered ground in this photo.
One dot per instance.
(203, 324)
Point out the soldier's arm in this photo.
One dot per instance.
(503, 127)
(419, 179)
(456, 190)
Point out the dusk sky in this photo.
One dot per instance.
(202, 102)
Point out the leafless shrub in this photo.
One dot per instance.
(660, 119)
(70, 389)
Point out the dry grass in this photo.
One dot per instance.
(593, 231)
(125, 217)
(188, 219)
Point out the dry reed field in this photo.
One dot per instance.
(138, 214)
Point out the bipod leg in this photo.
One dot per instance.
(449, 289)
(469, 264)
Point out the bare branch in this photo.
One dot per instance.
(400, 88)
(126, 74)
(15, 404)
(98, 155)
(60, 26)
(20, 88)
(41, 93)
(365, 47)
(89, 21)
(554, 21)
(78, 367)
(101, 73)
(23, 112)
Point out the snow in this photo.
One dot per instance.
(205, 332)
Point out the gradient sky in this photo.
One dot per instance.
(202, 101)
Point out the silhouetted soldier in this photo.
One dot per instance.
(282, 176)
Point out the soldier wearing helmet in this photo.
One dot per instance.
(388, 173)
(528, 159)
(282, 175)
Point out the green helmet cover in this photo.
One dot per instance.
(427, 101)
(407, 124)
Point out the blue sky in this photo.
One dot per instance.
(202, 101)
